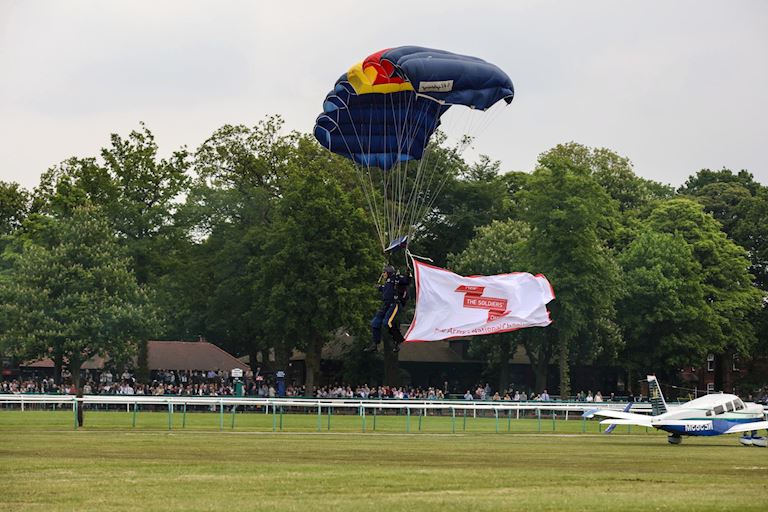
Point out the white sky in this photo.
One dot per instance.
(673, 85)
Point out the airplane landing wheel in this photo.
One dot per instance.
(674, 439)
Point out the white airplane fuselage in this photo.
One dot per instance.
(710, 415)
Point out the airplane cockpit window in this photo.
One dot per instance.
(719, 409)
(729, 406)
(739, 405)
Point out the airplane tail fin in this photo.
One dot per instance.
(658, 404)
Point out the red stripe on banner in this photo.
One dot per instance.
(493, 315)
(471, 290)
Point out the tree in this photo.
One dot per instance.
(75, 298)
(14, 207)
(740, 204)
(666, 319)
(136, 191)
(318, 261)
(695, 184)
(751, 232)
(615, 174)
(227, 214)
(571, 217)
(727, 285)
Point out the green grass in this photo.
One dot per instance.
(46, 465)
(337, 421)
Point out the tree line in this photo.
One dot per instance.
(259, 240)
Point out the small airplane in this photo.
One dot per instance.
(709, 415)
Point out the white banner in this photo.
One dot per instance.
(449, 305)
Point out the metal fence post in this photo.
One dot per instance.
(408, 419)
(274, 417)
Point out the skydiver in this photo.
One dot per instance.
(394, 291)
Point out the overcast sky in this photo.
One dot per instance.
(676, 86)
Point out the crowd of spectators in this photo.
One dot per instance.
(219, 383)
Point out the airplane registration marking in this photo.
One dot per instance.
(699, 428)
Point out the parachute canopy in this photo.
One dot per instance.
(382, 112)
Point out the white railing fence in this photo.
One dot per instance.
(278, 406)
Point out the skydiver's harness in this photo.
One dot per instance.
(399, 290)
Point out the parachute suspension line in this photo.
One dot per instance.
(381, 230)
(421, 185)
(402, 173)
(396, 177)
(396, 171)
(465, 140)
(368, 192)
(403, 197)
(426, 174)
(408, 199)
(409, 257)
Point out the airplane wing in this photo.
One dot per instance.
(612, 426)
(614, 421)
(629, 417)
(747, 427)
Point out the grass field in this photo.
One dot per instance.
(46, 465)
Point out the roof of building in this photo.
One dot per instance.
(426, 352)
(170, 355)
(191, 355)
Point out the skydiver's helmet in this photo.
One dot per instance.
(389, 270)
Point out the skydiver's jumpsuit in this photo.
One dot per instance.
(390, 306)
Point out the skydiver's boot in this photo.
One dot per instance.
(372, 347)
(397, 339)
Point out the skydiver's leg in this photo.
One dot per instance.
(376, 322)
(393, 326)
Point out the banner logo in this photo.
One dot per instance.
(473, 299)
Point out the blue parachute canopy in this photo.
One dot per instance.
(382, 113)
(384, 109)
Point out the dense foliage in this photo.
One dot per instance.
(260, 241)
